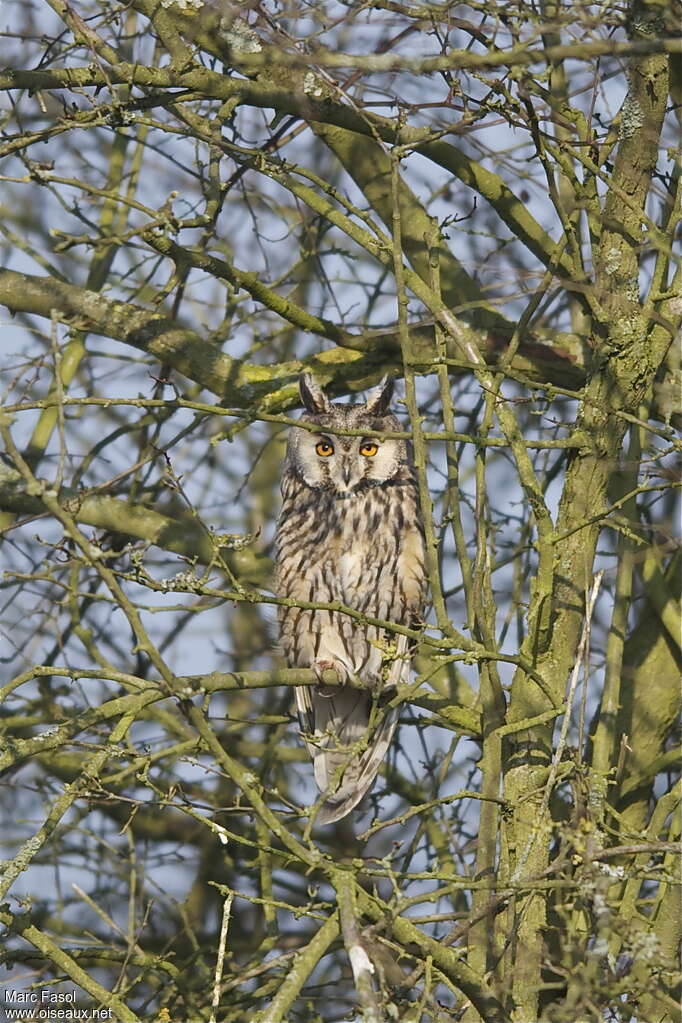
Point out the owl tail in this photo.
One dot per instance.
(346, 739)
(346, 756)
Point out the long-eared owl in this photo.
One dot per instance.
(350, 531)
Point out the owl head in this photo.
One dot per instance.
(345, 465)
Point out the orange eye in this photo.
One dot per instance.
(324, 449)
(369, 449)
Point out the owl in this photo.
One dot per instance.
(350, 531)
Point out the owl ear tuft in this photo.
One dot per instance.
(313, 397)
(379, 399)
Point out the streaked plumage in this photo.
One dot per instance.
(349, 531)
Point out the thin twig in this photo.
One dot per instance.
(222, 944)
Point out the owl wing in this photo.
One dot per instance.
(348, 736)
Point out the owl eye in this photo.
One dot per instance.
(369, 449)
(324, 448)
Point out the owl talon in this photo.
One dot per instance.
(374, 683)
(319, 667)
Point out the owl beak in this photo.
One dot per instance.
(346, 472)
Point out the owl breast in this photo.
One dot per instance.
(363, 549)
